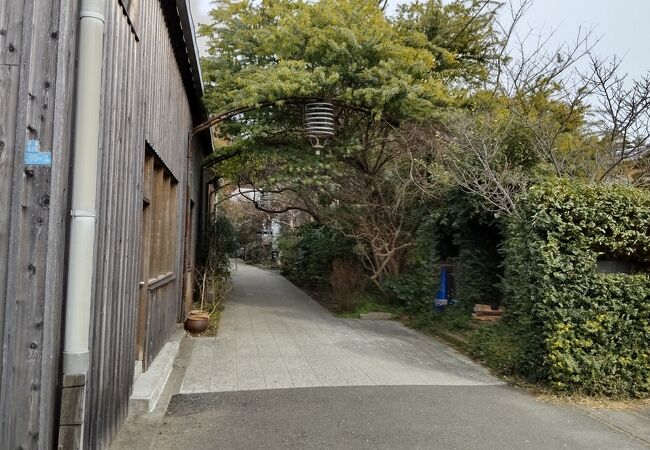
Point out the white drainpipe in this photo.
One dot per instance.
(84, 187)
(81, 248)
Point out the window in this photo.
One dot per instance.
(160, 218)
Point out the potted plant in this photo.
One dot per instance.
(198, 320)
(219, 241)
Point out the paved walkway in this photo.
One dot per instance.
(364, 385)
(272, 335)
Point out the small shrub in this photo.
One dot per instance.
(497, 347)
(257, 252)
(452, 319)
(345, 282)
(219, 241)
(479, 261)
(365, 302)
(289, 245)
(307, 255)
(462, 232)
(210, 289)
(414, 292)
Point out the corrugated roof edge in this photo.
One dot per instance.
(189, 37)
(187, 22)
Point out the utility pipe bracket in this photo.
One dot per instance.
(78, 213)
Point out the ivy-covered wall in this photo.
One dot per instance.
(581, 330)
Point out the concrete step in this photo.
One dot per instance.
(376, 315)
(148, 386)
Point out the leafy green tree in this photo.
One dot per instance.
(390, 75)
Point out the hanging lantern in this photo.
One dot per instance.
(319, 123)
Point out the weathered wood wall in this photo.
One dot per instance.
(144, 102)
(145, 99)
(37, 54)
(116, 244)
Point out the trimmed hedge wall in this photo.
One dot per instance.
(580, 330)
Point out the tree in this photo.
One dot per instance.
(389, 74)
(620, 123)
(537, 115)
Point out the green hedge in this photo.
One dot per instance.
(580, 330)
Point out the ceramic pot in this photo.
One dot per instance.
(197, 322)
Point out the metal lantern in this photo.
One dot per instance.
(319, 123)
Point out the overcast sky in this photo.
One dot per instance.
(623, 24)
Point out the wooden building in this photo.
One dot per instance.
(145, 224)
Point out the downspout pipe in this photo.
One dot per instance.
(81, 246)
(84, 187)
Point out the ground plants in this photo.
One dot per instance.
(346, 279)
(219, 242)
(212, 278)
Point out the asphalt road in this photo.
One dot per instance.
(381, 417)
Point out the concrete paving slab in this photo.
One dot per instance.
(273, 335)
(633, 421)
(199, 372)
(376, 315)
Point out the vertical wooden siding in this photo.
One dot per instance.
(36, 83)
(144, 100)
(116, 254)
(162, 315)
(168, 119)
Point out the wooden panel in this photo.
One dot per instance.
(162, 318)
(32, 282)
(143, 293)
(62, 116)
(165, 254)
(155, 263)
(32, 298)
(116, 280)
(11, 31)
(157, 110)
(112, 293)
(173, 237)
(143, 101)
(143, 98)
(9, 77)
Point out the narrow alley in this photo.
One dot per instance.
(284, 372)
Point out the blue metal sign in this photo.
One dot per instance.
(34, 156)
(38, 159)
